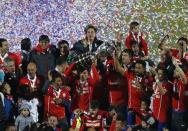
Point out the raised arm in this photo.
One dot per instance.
(95, 74)
(163, 41)
(69, 69)
(162, 90)
(117, 65)
(180, 71)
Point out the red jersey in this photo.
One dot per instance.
(50, 108)
(84, 91)
(62, 93)
(175, 53)
(113, 126)
(14, 56)
(69, 69)
(34, 84)
(178, 98)
(137, 37)
(117, 89)
(134, 93)
(160, 104)
(136, 57)
(89, 120)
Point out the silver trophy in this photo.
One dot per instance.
(86, 58)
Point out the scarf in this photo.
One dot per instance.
(137, 36)
(39, 49)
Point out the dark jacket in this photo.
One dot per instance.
(80, 49)
(44, 61)
(25, 61)
(13, 81)
(2, 111)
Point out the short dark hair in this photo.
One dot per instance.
(133, 24)
(142, 62)
(26, 44)
(133, 42)
(183, 39)
(44, 38)
(3, 86)
(1, 41)
(8, 59)
(90, 26)
(128, 51)
(61, 42)
(55, 75)
(45, 127)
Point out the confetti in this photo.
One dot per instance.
(66, 19)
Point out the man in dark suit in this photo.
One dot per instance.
(12, 75)
(89, 43)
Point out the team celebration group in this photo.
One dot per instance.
(95, 85)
